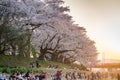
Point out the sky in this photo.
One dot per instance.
(101, 18)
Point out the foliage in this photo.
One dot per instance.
(15, 61)
(15, 70)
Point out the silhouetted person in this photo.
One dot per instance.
(37, 63)
(118, 76)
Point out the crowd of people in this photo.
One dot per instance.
(52, 66)
(24, 76)
(59, 75)
(91, 76)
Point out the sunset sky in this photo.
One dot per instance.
(101, 18)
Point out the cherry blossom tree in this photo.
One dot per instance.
(45, 26)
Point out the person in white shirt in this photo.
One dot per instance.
(2, 76)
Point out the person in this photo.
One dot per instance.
(118, 76)
(50, 66)
(27, 75)
(2, 76)
(68, 76)
(37, 63)
(12, 76)
(56, 66)
(74, 76)
(59, 75)
(20, 76)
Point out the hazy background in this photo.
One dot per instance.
(101, 18)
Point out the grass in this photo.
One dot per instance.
(18, 61)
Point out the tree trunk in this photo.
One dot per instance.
(41, 56)
(54, 57)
